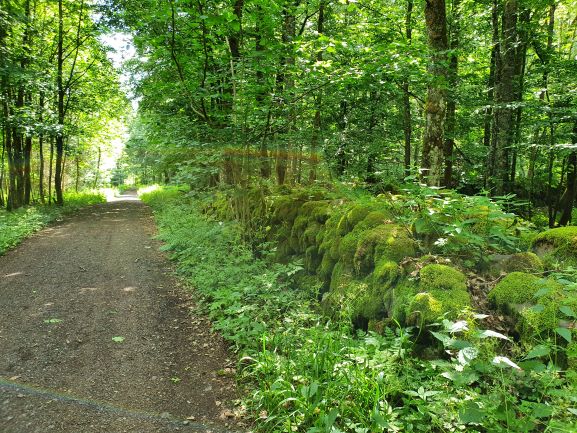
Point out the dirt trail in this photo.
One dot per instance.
(65, 294)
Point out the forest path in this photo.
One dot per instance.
(66, 295)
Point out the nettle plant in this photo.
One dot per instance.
(467, 228)
(499, 394)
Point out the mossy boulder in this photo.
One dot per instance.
(558, 244)
(424, 308)
(361, 299)
(513, 291)
(353, 216)
(386, 273)
(312, 259)
(284, 209)
(318, 211)
(326, 267)
(386, 242)
(346, 295)
(524, 262)
(534, 302)
(442, 290)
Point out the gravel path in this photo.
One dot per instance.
(96, 335)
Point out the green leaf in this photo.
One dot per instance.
(471, 414)
(542, 292)
(537, 308)
(51, 321)
(565, 333)
(488, 333)
(568, 311)
(538, 352)
(118, 339)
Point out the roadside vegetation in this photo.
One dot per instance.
(322, 357)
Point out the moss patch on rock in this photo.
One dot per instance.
(533, 301)
(442, 290)
(515, 289)
(559, 244)
(524, 262)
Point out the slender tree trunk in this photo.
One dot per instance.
(505, 95)
(435, 107)
(58, 174)
(317, 121)
(451, 122)
(97, 173)
(261, 97)
(41, 151)
(568, 198)
(77, 180)
(489, 127)
(51, 164)
(519, 76)
(407, 119)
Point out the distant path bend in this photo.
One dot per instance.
(96, 335)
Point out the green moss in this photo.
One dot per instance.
(516, 288)
(397, 245)
(318, 211)
(326, 267)
(524, 262)
(348, 247)
(536, 316)
(558, 244)
(442, 290)
(283, 248)
(386, 273)
(398, 297)
(285, 209)
(312, 259)
(386, 242)
(442, 277)
(340, 277)
(374, 219)
(309, 237)
(353, 216)
(423, 308)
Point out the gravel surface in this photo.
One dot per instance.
(97, 335)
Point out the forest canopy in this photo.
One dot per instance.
(478, 96)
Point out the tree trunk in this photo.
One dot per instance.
(568, 197)
(61, 94)
(451, 121)
(41, 150)
(407, 119)
(264, 164)
(317, 121)
(505, 95)
(435, 106)
(97, 173)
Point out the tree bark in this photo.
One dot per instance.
(60, 95)
(451, 121)
(406, 102)
(41, 150)
(568, 197)
(435, 107)
(317, 120)
(505, 95)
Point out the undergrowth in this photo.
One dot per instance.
(19, 224)
(306, 373)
